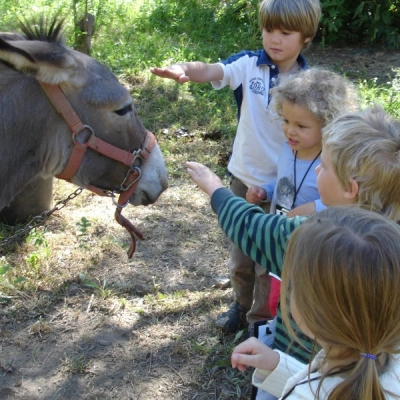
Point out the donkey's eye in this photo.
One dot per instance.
(124, 110)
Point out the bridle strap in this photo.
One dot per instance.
(64, 108)
(133, 179)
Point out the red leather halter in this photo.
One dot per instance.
(131, 180)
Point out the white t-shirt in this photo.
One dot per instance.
(259, 136)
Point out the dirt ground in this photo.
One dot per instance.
(98, 325)
(357, 63)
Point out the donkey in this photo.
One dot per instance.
(63, 114)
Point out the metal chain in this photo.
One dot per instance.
(39, 219)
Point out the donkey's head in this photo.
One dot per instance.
(97, 97)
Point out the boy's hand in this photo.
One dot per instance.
(254, 353)
(175, 72)
(203, 177)
(255, 194)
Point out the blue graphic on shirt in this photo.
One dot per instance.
(257, 86)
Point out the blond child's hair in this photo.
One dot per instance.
(345, 283)
(325, 93)
(365, 146)
(293, 15)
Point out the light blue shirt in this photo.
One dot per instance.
(282, 191)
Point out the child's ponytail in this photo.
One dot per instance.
(362, 384)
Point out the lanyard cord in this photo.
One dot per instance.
(304, 177)
(346, 368)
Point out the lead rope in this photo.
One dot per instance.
(38, 220)
(132, 230)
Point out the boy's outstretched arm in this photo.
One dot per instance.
(203, 177)
(260, 236)
(195, 71)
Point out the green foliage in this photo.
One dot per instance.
(4, 299)
(387, 95)
(103, 291)
(9, 283)
(35, 259)
(193, 29)
(13, 11)
(83, 234)
(15, 277)
(76, 364)
(367, 22)
(130, 37)
(36, 237)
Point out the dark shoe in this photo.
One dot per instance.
(232, 320)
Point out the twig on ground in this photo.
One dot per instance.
(180, 376)
(90, 304)
(41, 365)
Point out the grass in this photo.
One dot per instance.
(75, 364)
(386, 94)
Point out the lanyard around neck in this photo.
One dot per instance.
(339, 371)
(297, 190)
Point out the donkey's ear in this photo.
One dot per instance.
(47, 62)
(11, 36)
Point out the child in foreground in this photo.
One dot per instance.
(287, 27)
(360, 166)
(343, 290)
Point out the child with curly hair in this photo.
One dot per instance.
(306, 102)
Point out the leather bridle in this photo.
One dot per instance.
(131, 180)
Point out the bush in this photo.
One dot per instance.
(346, 22)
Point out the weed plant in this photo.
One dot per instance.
(386, 94)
